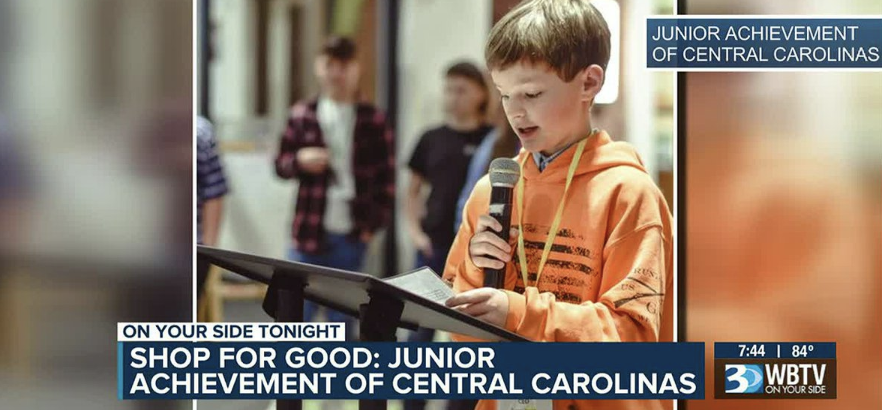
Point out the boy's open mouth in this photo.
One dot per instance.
(527, 131)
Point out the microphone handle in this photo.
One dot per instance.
(500, 209)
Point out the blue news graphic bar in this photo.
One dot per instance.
(549, 370)
(745, 350)
(761, 350)
(119, 370)
(808, 350)
(753, 43)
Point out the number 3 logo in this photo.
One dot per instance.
(737, 377)
(742, 378)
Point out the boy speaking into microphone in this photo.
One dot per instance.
(591, 256)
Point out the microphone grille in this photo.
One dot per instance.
(505, 172)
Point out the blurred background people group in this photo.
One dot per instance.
(433, 96)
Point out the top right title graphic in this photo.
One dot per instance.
(760, 42)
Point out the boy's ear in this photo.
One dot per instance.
(592, 80)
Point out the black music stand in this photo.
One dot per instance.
(381, 308)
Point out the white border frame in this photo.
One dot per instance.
(195, 108)
(676, 214)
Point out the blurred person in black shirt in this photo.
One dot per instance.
(441, 160)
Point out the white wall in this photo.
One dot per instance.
(85, 153)
(232, 70)
(432, 35)
(48, 73)
(280, 54)
(259, 208)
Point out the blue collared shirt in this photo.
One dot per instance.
(542, 161)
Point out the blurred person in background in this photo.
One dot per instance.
(441, 161)
(13, 176)
(106, 160)
(342, 153)
(15, 182)
(609, 245)
(211, 187)
(501, 142)
(165, 152)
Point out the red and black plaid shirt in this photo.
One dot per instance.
(373, 166)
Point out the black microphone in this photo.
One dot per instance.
(504, 174)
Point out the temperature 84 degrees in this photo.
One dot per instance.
(802, 351)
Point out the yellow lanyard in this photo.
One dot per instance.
(552, 233)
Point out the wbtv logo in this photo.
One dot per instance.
(744, 378)
(775, 379)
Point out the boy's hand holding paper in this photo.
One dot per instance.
(487, 304)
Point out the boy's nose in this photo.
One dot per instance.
(516, 116)
(514, 110)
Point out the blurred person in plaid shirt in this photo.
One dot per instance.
(342, 153)
(211, 187)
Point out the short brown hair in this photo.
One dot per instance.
(471, 72)
(568, 35)
(339, 48)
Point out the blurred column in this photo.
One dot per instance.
(387, 98)
(203, 56)
(638, 85)
(232, 70)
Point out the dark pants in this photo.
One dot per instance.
(341, 253)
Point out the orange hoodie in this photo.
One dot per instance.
(609, 276)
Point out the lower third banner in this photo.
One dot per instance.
(182, 370)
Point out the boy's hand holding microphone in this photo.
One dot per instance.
(492, 247)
